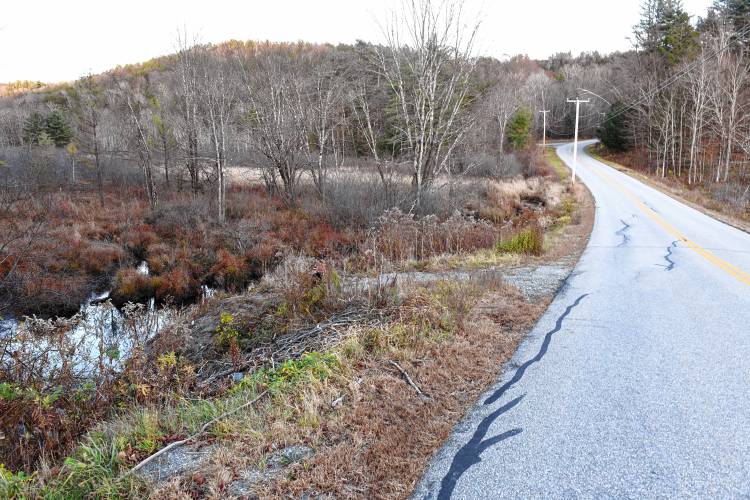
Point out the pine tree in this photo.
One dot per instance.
(32, 128)
(737, 14)
(665, 32)
(519, 129)
(612, 131)
(680, 40)
(45, 139)
(58, 129)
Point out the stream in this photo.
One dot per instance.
(99, 332)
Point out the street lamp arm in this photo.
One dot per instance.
(595, 95)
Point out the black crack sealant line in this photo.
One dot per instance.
(623, 232)
(668, 256)
(470, 453)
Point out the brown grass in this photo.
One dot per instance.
(379, 447)
(376, 440)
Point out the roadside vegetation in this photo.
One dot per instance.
(241, 270)
(678, 113)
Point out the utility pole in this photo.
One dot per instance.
(575, 140)
(544, 128)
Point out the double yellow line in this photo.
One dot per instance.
(725, 266)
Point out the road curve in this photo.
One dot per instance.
(636, 381)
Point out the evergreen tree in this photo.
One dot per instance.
(666, 33)
(612, 131)
(519, 129)
(32, 128)
(58, 129)
(736, 13)
(45, 139)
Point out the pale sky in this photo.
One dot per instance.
(53, 40)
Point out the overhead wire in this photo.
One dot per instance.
(674, 78)
(666, 83)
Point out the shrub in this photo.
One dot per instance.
(230, 271)
(530, 241)
(100, 258)
(176, 284)
(160, 258)
(263, 256)
(138, 239)
(511, 166)
(402, 237)
(130, 285)
(357, 200)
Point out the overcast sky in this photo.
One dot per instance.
(52, 40)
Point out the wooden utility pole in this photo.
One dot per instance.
(575, 137)
(544, 127)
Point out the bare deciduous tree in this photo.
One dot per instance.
(141, 134)
(427, 62)
(218, 90)
(87, 104)
(276, 120)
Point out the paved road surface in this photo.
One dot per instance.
(636, 382)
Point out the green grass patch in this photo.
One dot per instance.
(554, 160)
(529, 241)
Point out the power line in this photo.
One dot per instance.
(674, 78)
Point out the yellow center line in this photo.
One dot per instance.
(725, 266)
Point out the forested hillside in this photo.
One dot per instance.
(322, 127)
(679, 102)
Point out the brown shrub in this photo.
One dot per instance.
(139, 238)
(130, 285)
(176, 284)
(264, 256)
(230, 271)
(403, 237)
(100, 258)
(159, 258)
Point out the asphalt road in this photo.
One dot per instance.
(636, 382)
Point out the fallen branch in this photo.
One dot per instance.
(294, 344)
(409, 380)
(202, 430)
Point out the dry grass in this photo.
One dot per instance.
(371, 431)
(379, 447)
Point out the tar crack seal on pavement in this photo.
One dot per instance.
(668, 257)
(623, 232)
(470, 453)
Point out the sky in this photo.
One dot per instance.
(51, 41)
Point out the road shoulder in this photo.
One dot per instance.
(673, 193)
